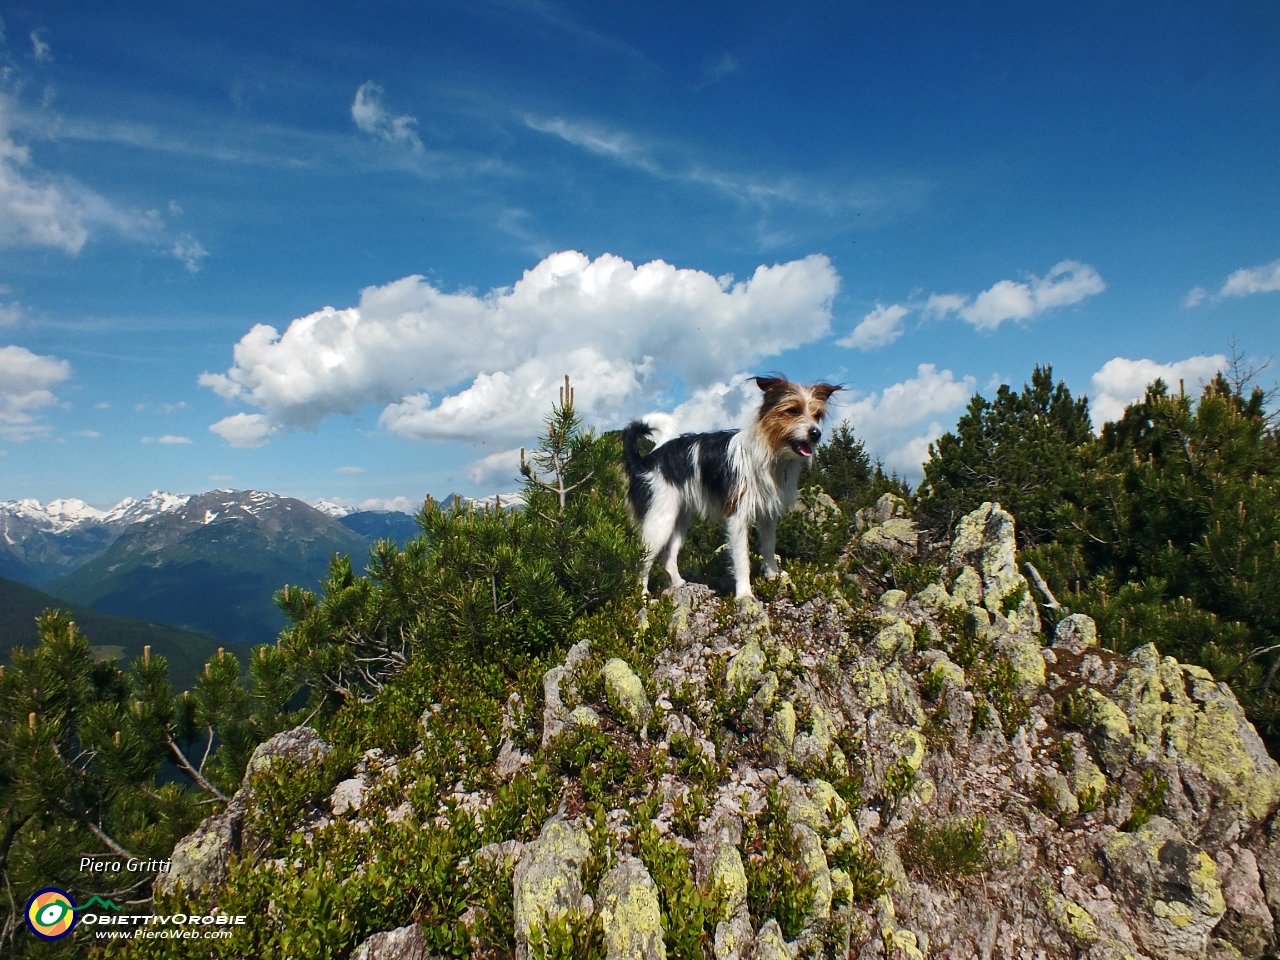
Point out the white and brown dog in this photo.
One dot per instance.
(737, 477)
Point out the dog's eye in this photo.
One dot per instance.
(793, 411)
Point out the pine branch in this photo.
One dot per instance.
(1050, 602)
(191, 771)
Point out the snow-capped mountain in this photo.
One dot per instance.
(331, 509)
(59, 516)
(39, 542)
(213, 562)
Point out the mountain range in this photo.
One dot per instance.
(208, 563)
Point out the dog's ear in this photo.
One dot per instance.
(775, 388)
(823, 391)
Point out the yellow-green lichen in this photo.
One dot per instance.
(729, 877)
(869, 685)
(625, 693)
(896, 640)
(745, 667)
(630, 914)
(1217, 744)
(1071, 918)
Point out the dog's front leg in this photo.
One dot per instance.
(768, 527)
(738, 549)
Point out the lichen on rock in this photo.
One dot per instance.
(626, 693)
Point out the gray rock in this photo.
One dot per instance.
(200, 861)
(1247, 924)
(632, 919)
(1076, 632)
(548, 878)
(347, 796)
(404, 943)
(1171, 886)
(986, 538)
(300, 743)
(769, 943)
(555, 713)
(626, 693)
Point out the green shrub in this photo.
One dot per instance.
(946, 849)
(775, 887)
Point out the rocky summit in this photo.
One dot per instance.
(924, 771)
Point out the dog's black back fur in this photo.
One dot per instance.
(704, 456)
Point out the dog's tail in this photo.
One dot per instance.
(632, 458)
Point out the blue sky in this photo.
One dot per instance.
(917, 201)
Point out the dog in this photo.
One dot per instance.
(736, 477)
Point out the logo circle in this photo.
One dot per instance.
(51, 913)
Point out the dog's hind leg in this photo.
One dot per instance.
(739, 550)
(658, 530)
(768, 528)
(673, 547)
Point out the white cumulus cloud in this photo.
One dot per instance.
(173, 438)
(373, 118)
(1068, 282)
(502, 468)
(1122, 381)
(244, 431)
(724, 405)
(464, 365)
(25, 382)
(890, 421)
(879, 328)
(1264, 279)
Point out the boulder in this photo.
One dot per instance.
(745, 667)
(626, 694)
(201, 860)
(1075, 633)
(1247, 925)
(403, 943)
(548, 878)
(630, 914)
(1173, 886)
(986, 539)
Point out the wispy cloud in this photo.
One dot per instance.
(40, 209)
(168, 439)
(673, 164)
(1242, 283)
(190, 251)
(1068, 282)
(39, 49)
(373, 118)
(722, 66)
(350, 471)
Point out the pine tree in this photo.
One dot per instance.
(84, 749)
(1022, 450)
